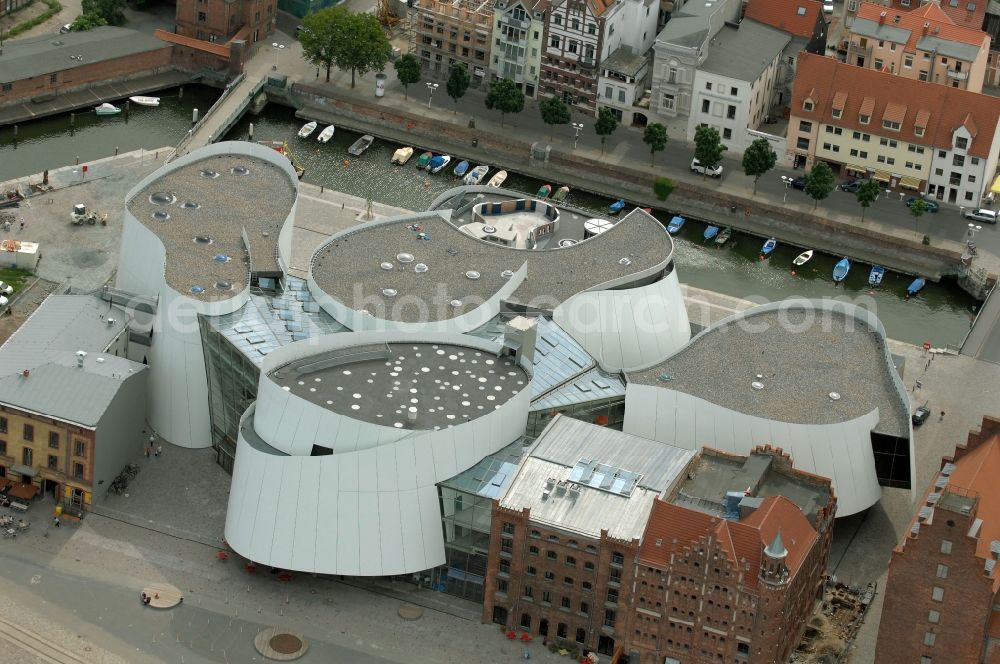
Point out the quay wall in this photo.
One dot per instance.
(898, 250)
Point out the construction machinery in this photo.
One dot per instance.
(81, 216)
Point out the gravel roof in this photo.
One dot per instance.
(800, 362)
(349, 268)
(259, 201)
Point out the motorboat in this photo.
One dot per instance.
(544, 191)
(326, 134)
(401, 156)
(841, 269)
(710, 232)
(675, 225)
(107, 109)
(803, 258)
(498, 179)
(424, 159)
(768, 247)
(145, 101)
(723, 236)
(561, 194)
(876, 275)
(477, 174)
(437, 164)
(281, 147)
(461, 169)
(359, 146)
(307, 129)
(915, 286)
(617, 206)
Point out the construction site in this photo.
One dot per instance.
(445, 32)
(833, 625)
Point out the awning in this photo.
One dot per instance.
(23, 491)
(856, 169)
(881, 176)
(24, 471)
(995, 188)
(909, 182)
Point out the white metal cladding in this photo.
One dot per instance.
(371, 507)
(630, 328)
(840, 451)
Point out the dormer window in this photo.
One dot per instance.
(864, 119)
(837, 113)
(890, 125)
(961, 142)
(807, 105)
(918, 131)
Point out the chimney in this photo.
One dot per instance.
(111, 321)
(927, 27)
(881, 18)
(80, 354)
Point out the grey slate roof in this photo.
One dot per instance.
(624, 61)
(948, 48)
(45, 54)
(872, 29)
(61, 323)
(744, 53)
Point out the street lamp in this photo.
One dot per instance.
(277, 49)
(577, 127)
(788, 183)
(431, 87)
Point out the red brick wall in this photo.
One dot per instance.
(223, 19)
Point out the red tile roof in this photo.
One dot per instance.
(978, 471)
(959, 15)
(940, 107)
(677, 527)
(941, 26)
(785, 15)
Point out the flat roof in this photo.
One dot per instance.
(349, 268)
(379, 383)
(802, 357)
(208, 203)
(45, 54)
(744, 53)
(624, 61)
(566, 449)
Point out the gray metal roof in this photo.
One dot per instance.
(492, 474)
(542, 482)
(61, 389)
(592, 386)
(45, 54)
(948, 48)
(689, 27)
(744, 53)
(62, 323)
(884, 31)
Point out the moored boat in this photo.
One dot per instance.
(477, 174)
(803, 258)
(915, 286)
(724, 236)
(437, 164)
(768, 247)
(617, 206)
(462, 168)
(710, 232)
(107, 109)
(841, 269)
(424, 159)
(307, 129)
(281, 147)
(498, 179)
(11, 198)
(544, 191)
(145, 101)
(326, 134)
(360, 145)
(675, 225)
(561, 194)
(876, 275)
(402, 155)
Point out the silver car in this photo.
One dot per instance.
(982, 214)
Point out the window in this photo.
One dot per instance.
(202, 17)
(727, 133)
(908, 61)
(863, 119)
(576, 24)
(937, 594)
(731, 112)
(589, 566)
(557, 19)
(887, 141)
(581, 635)
(974, 160)
(857, 135)
(27, 456)
(807, 105)
(881, 159)
(554, 43)
(621, 96)
(3, 447)
(612, 597)
(854, 153)
(972, 178)
(889, 160)
(890, 125)
(708, 85)
(584, 608)
(54, 440)
(863, 155)
(506, 546)
(837, 112)
(78, 471)
(3, 425)
(608, 92)
(550, 576)
(945, 546)
(805, 126)
(609, 618)
(564, 602)
(827, 146)
(923, 75)
(551, 555)
(502, 586)
(525, 621)
(919, 131)
(668, 102)
(505, 567)
(924, 659)
(958, 160)
(879, 64)
(733, 91)
(528, 592)
(546, 596)
(572, 45)
(933, 616)
(587, 586)
(591, 29)
(615, 576)
(705, 105)
(29, 432)
(570, 561)
(938, 171)
(942, 571)
(508, 528)
(866, 137)
(562, 630)
(672, 75)
(532, 550)
(568, 580)
(534, 533)
(53, 462)
(802, 143)
(530, 571)
(942, 154)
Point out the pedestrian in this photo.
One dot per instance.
(22, 224)
(55, 521)
(159, 450)
(942, 416)
(147, 451)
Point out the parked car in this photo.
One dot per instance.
(799, 183)
(932, 206)
(714, 171)
(920, 415)
(982, 214)
(851, 186)
(66, 28)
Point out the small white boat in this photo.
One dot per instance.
(362, 144)
(476, 175)
(497, 179)
(803, 258)
(325, 135)
(107, 109)
(438, 163)
(307, 129)
(401, 156)
(145, 101)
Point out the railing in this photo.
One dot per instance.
(211, 112)
(958, 75)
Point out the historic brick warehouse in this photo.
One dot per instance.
(609, 542)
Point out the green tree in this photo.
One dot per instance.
(819, 182)
(112, 11)
(656, 138)
(458, 82)
(917, 209)
(407, 71)
(606, 124)
(504, 95)
(87, 22)
(554, 112)
(867, 194)
(319, 35)
(758, 159)
(663, 187)
(708, 147)
(335, 36)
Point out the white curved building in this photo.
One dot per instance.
(337, 462)
(195, 234)
(812, 377)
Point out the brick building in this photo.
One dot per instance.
(219, 33)
(941, 598)
(448, 32)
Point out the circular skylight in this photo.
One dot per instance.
(420, 267)
(386, 266)
(489, 229)
(221, 258)
(472, 274)
(834, 396)
(404, 257)
(202, 239)
(507, 274)
(389, 292)
(567, 242)
(208, 173)
(223, 285)
(239, 170)
(456, 303)
(197, 289)
(757, 385)
(162, 198)
(191, 205)
(160, 215)
(625, 261)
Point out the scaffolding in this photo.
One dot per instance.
(448, 31)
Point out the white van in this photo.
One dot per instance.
(715, 171)
(982, 214)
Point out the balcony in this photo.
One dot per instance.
(514, 23)
(958, 75)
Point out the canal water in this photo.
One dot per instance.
(940, 314)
